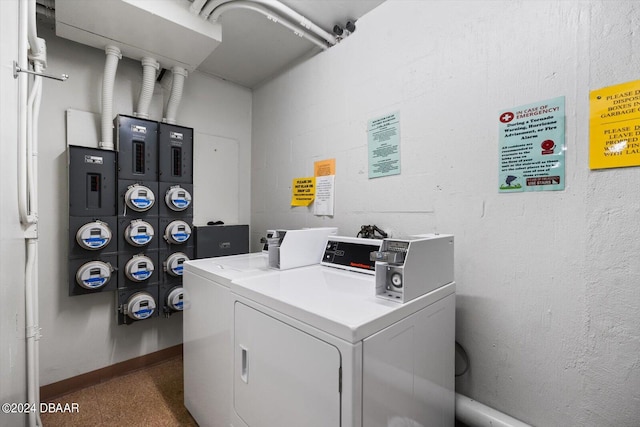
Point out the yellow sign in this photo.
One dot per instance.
(615, 126)
(324, 167)
(303, 191)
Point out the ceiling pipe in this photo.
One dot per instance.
(179, 75)
(149, 68)
(272, 16)
(197, 5)
(108, 83)
(276, 6)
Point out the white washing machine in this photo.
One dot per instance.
(315, 347)
(207, 332)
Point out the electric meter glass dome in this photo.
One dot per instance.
(177, 232)
(175, 263)
(94, 235)
(177, 198)
(93, 275)
(139, 268)
(175, 299)
(139, 198)
(140, 305)
(139, 233)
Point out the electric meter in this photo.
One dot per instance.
(139, 198)
(140, 305)
(174, 265)
(138, 233)
(175, 299)
(177, 232)
(94, 274)
(94, 235)
(139, 268)
(177, 198)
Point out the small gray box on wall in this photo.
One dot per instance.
(221, 240)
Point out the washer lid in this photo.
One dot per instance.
(338, 302)
(224, 269)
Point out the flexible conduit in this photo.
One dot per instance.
(149, 68)
(179, 74)
(270, 15)
(275, 5)
(108, 82)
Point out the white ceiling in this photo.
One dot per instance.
(254, 49)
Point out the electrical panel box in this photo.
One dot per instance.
(131, 218)
(92, 182)
(175, 146)
(137, 142)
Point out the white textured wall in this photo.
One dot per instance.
(548, 283)
(12, 333)
(80, 333)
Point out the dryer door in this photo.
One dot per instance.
(283, 376)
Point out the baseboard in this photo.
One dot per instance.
(51, 391)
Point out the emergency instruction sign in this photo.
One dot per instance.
(532, 147)
(614, 128)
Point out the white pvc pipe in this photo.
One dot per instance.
(270, 15)
(34, 44)
(149, 68)
(475, 414)
(179, 74)
(108, 82)
(34, 209)
(281, 8)
(23, 47)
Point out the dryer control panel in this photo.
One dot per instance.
(409, 268)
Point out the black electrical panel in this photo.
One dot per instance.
(92, 182)
(137, 142)
(131, 218)
(92, 235)
(175, 154)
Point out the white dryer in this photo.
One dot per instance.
(315, 347)
(207, 332)
(207, 320)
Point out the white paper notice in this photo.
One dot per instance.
(323, 204)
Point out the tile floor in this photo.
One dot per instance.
(152, 396)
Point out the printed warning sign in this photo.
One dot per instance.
(614, 127)
(532, 147)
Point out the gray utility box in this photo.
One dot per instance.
(175, 154)
(221, 240)
(137, 142)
